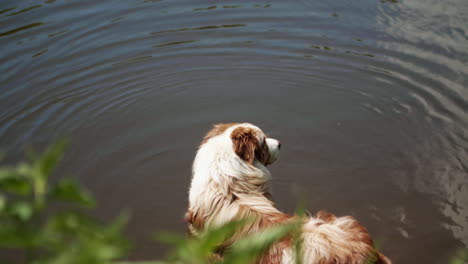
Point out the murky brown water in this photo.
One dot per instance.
(369, 99)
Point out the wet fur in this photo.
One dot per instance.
(230, 182)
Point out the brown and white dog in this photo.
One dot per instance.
(230, 182)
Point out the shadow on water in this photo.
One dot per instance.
(369, 100)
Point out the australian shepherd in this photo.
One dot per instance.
(230, 182)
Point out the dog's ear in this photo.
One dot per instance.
(217, 129)
(245, 142)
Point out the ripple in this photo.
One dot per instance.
(40, 53)
(29, 26)
(24, 10)
(132, 60)
(199, 28)
(204, 9)
(150, 1)
(7, 10)
(371, 92)
(57, 33)
(173, 43)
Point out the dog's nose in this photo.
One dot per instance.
(279, 145)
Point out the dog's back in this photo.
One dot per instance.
(338, 240)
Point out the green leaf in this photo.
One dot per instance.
(50, 158)
(199, 249)
(3, 202)
(68, 190)
(15, 233)
(42, 169)
(249, 249)
(22, 210)
(16, 184)
(71, 223)
(76, 238)
(213, 237)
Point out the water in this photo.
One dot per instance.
(368, 98)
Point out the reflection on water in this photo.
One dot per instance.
(369, 99)
(440, 25)
(434, 51)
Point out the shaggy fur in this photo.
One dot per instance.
(230, 182)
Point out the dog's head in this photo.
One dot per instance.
(230, 162)
(247, 141)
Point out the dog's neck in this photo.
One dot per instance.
(225, 188)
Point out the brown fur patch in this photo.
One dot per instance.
(194, 220)
(325, 216)
(357, 237)
(275, 254)
(245, 143)
(217, 130)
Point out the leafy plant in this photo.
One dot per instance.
(201, 250)
(32, 223)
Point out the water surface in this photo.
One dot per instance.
(368, 98)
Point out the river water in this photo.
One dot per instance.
(369, 99)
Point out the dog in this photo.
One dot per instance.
(230, 182)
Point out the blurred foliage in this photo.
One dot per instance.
(44, 223)
(201, 250)
(34, 226)
(460, 257)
